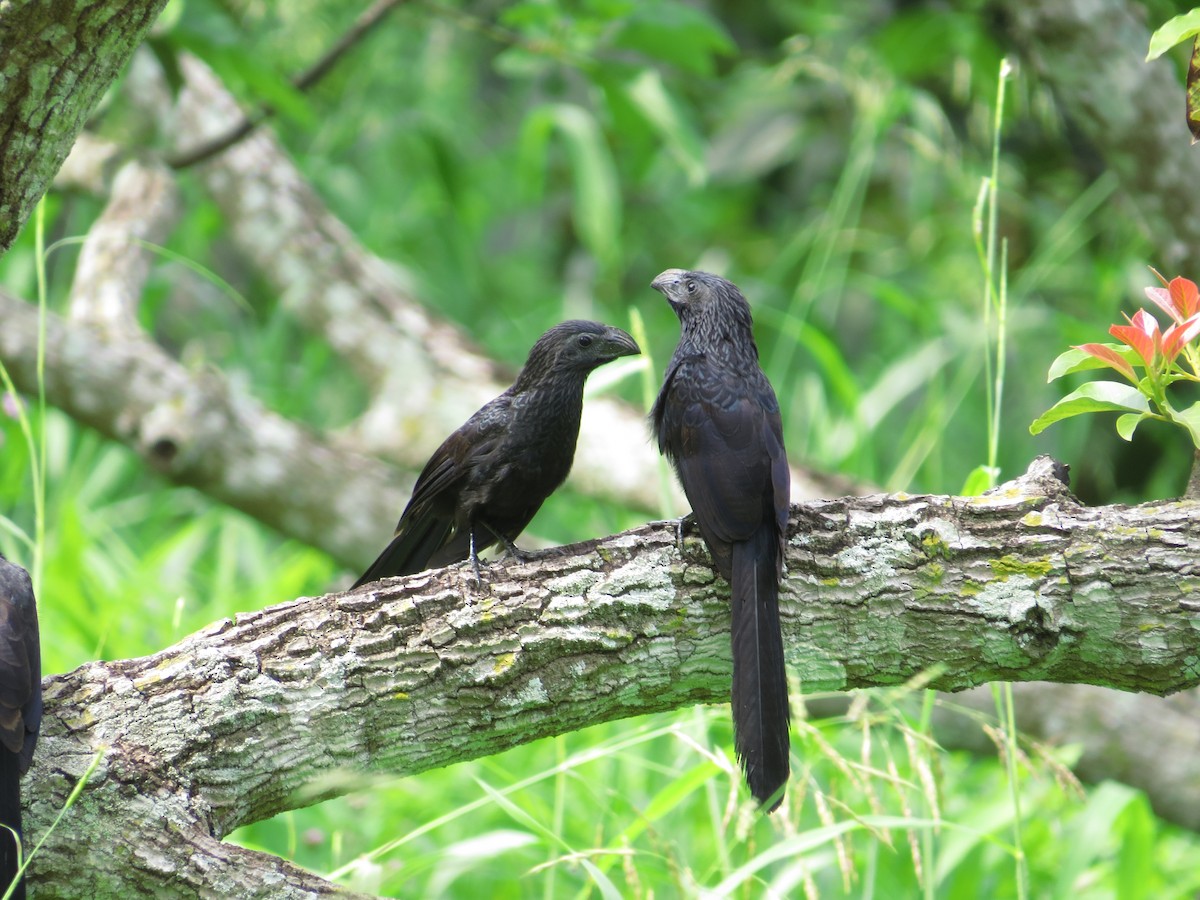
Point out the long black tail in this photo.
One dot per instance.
(410, 550)
(760, 700)
(10, 815)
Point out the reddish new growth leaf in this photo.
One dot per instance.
(1141, 334)
(1180, 299)
(1186, 296)
(1110, 357)
(1179, 334)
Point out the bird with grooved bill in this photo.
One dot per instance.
(20, 707)
(717, 420)
(486, 481)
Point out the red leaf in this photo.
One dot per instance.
(1163, 300)
(1185, 295)
(1141, 334)
(1111, 358)
(1178, 335)
(1146, 322)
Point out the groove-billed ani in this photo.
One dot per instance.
(718, 422)
(489, 478)
(20, 705)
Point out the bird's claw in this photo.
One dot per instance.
(681, 525)
(516, 552)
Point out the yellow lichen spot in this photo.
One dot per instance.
(934, 546)
(1032, 519)
(830, 582)
(504, 662)
(1008, 565)
(400, 695)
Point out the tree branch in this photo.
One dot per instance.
(56, 62)
(200, 430)
(362, 26)
(405, 675)
(1091, 54)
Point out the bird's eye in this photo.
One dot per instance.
(691, 287)
(585, 340)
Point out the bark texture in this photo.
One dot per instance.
(56, 61)
(198, 428)
(1091, 54)
(227, 726)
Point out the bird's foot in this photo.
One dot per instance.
(516, 552)
(681, 526)
(474, 557)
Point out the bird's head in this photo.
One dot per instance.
(699, 295)
(580, 346)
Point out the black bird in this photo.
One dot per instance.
(489, 478)
(718, 422)
(20, 706)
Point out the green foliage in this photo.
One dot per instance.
(1174, 32)
(545, 161)
(1165, 358)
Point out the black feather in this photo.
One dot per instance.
(486, 481)
(717, 419)
(20, 706)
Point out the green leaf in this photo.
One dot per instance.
(982, 478)
(1075, 360)
(250, 74)
(1174, 32)
(1128, 423)
(650, 97)
(1190, 419)
(596, 210)
(1137, 872)
(1095, 396)
(677, 34)
(1085, 840)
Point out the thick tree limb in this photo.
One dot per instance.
(1091, 53)
(113, 265)
(56, 61)
(225, 727)
(199, 429)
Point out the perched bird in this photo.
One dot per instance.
(20, 706)
(488, 479)
(717, 420)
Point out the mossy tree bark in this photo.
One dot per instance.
(227, 727)
(56, 61)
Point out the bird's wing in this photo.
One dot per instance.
(453, 461)
(725, 437)
(20, 663)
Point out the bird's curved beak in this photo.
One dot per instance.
(619, 343)
(666, 280)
